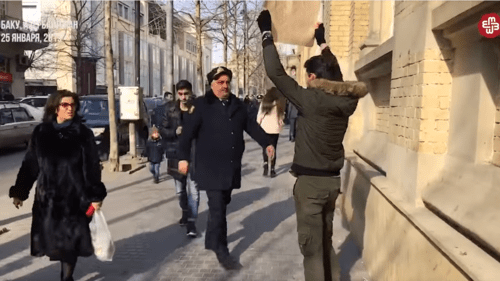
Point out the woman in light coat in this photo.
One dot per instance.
(271, 118)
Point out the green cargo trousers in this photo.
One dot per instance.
(314, 204)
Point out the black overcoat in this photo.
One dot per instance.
(172, 119)
(219, 141)
(65, 164)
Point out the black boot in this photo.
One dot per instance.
(273, 172)
(266, 170)
(184, 220)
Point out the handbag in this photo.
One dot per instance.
(104, 247)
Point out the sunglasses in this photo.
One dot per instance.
(66, 105)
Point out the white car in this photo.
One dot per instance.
(16, 124)
(35, 112)
(36, 101)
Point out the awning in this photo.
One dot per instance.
(40, 82)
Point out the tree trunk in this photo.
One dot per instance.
(225, 33)
(114, 160)
(245, 46)
(235, 47)
(170, 46)
(199, 53)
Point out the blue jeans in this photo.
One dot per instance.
(154, 168)
(189, 196)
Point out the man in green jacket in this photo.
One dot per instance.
(324, 110)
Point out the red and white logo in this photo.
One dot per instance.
(489, 25)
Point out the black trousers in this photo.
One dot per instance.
(216, 235)
(293, 128)
(274, 141)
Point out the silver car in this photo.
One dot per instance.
(36, 101)
(16, 124)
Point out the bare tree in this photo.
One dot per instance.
(71, 45)
(114, 160)
(204, 14)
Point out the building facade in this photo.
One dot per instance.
(13, 62)
(420, 181)
(152, 51)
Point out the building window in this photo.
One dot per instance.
(123, 11)
(3, 8)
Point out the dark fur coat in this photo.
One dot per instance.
(65, 164)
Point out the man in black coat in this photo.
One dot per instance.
(217, 124)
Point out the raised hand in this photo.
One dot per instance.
(319, 34)
(264, 21)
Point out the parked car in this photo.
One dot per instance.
(36, 101)
(37, 113)
(16, 124)
(95, 113)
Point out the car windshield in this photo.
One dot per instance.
(93, 107)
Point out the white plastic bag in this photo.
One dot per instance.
(104, 248)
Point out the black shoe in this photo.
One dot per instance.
(228, 262)
(266, 170)
(273, 173)
(191, 229)
(184, 220)
(156, 180)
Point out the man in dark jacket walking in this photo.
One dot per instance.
(218, 123)
(324, 110)
(177, 114)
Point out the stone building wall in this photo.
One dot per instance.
(420, 101)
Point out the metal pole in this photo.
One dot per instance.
(131, 124)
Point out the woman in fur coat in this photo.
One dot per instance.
(62, 158)
(271, 118)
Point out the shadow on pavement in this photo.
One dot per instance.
(142, 210)
(263, 220)
(134, 256)
(163, 177)
(11, 220)
(12, 150)
(11, 248)
(348, 255)
(283, 168)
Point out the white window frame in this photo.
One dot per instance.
(3, 8)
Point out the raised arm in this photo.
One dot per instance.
(286, 84)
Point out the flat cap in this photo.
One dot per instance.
(217, 72)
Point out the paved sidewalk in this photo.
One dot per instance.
(150, 245)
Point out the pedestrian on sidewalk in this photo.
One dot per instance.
(154, 152)
(324, 110)
(177, 115)
(218, 123)
(62, 158)
(271, 118)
